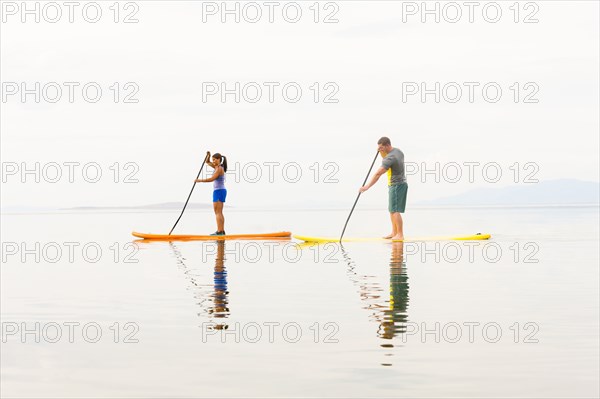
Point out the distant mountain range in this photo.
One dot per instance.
(550, 192)
(163, 205)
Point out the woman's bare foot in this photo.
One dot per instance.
(398, 238)
(389, 236)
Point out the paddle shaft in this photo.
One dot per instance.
(191, 191)
(358, 196)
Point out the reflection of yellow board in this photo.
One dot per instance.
(413, 239)
(189, 237)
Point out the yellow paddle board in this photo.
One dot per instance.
(409, 239)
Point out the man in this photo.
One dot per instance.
(393, 163)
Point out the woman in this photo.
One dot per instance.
(219, 164)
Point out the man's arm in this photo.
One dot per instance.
(374, 179)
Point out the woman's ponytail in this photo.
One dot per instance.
(223, 159)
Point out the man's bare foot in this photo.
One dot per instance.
(389, 236)
(398, 238)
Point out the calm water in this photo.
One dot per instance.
(517, 316)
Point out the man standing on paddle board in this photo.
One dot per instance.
(219, 164)
(393, 163)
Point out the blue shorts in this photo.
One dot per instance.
(219, 195)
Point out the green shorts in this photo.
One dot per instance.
(397, 197)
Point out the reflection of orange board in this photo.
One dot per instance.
(189, 237)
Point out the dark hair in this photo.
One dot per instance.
(223, 159)
(384, 141)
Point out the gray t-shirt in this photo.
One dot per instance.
(394, 161)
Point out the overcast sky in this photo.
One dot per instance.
(376, 53)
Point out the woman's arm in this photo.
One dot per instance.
(218, 172)
(207, 160)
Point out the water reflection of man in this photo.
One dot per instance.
(395, 317)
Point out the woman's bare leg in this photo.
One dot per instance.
(218, 207)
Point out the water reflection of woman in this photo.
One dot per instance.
(220, 300)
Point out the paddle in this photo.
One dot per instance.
(188, 198)
(358, 196)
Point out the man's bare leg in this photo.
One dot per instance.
(394, 228)
(398, 226)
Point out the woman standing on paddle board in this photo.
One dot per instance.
(393, 163)
(219, 164)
